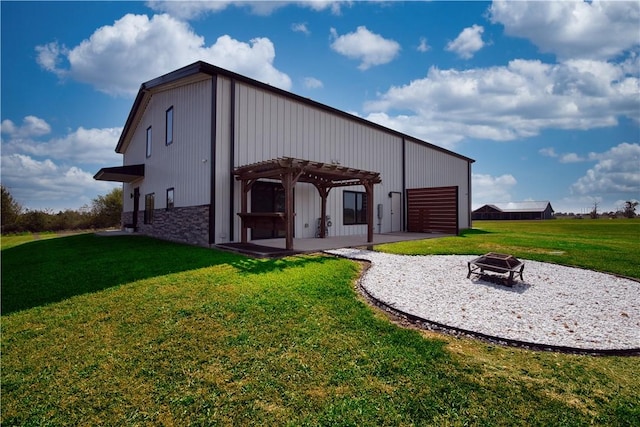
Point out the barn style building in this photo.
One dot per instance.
(212, 157)
(515, 211)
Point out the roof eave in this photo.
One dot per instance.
(127, 173)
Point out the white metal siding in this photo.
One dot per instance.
(269, 126)
(185, 164)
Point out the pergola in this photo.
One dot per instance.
(289, 171)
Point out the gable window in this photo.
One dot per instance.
(169, 126)
(169, 198)
(149, 206)
(149, 141)
(354, 205)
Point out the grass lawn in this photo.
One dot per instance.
(10, 241)
(605, 245)
(134, 331)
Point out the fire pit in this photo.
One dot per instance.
(497, 263)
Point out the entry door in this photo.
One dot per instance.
(136, 207)
(267, 197)
(396, 212)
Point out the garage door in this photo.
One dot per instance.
(432, 210)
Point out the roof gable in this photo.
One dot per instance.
(488, 209)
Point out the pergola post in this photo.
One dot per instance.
(287, 183)
(324, 193)
(368, 186)
(243, 209)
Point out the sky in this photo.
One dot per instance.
(544, 96)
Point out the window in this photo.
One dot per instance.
(149, 141)
(149, 202)
(354, 205)
(169, 198)
(169, 126)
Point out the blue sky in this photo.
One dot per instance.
(545, 96)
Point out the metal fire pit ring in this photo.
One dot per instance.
(497, 263)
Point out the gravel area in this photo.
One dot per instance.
(553, 306)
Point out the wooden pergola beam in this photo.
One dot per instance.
(311, 170)
(290, 171)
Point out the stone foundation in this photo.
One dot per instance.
(185, 224)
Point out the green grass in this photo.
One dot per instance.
(10, 241)
(46, 271)
(604, 245)
(133, 331)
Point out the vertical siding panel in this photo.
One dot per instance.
(270, 126)
(178, 165)
(442, 170)
(222, 168)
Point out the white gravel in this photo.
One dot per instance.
(554, 305)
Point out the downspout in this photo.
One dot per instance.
(232, 154)
(212, 183)
(404, 185)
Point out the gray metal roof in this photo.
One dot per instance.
(199, 69)
(531, 206)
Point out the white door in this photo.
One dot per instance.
(396, 212)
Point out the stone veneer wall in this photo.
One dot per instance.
(126, 218)
(186, 224)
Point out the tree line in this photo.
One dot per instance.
(104, 212)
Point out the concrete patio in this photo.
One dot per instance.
(277, 247)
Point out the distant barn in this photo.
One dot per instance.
(515, 210)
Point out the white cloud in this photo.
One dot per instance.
(617, 171)
(489, 189)
(548, 152)
(572, 29)
(312, 83)
(514, 101)
(370, 48)
(189, 9)
(468, 42)
(117, 58)
(82, 145)
(571, 158)
(562, 158)
(423, 46)
(196, 9)
(49, 173)
(300, 28)
(319, 5)
(31, 126)
(439, 132)
(49, 57)
(42, 184)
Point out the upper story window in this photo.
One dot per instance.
(169, 126)
(354, 205)
(149, 141)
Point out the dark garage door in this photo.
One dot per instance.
(432, 210)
